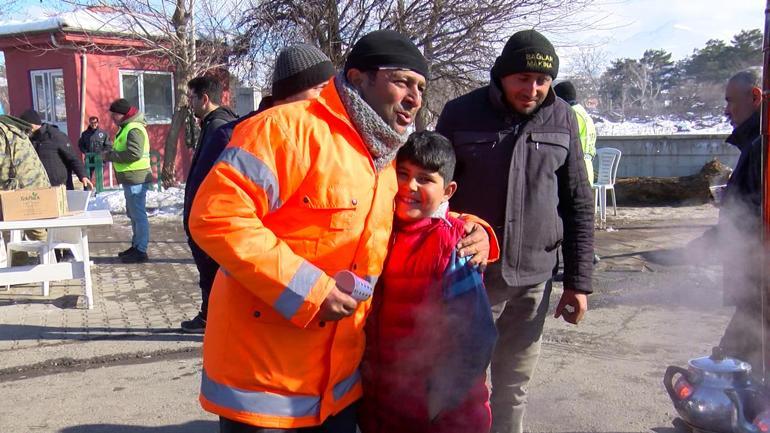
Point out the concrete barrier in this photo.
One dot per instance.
(668, 155)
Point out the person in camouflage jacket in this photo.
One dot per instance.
(20, 168)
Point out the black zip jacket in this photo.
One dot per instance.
(526, 176)
(56, 154)
(94, 141)
(737, 235)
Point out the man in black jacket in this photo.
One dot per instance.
(55, 152)
(300, 72)
(205, 94)
(736, 237)
(519, 144)
(94, 140)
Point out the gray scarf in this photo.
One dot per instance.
(380, 139)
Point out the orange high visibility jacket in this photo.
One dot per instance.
(293, 199)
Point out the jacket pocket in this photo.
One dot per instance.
(551, 138)
(471, 141)
(334, 207)
(548, 150)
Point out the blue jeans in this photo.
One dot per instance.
(136, 198)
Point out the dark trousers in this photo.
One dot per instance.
(343, 422)
(207, 270)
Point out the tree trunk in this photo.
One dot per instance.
(677, 191)
(168, 177)
(182, 74)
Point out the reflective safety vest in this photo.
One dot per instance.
(121, 145)
(292, 200)
(587, 132)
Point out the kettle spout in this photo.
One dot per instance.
(739, 422)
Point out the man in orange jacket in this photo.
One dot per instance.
(305, 190)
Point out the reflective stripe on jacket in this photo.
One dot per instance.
(121, 145)
(293, 199)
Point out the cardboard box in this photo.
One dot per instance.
(30, 204)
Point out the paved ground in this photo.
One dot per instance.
(124, 367)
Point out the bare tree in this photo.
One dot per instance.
(585, 71)
(167, 29)
(459, 38)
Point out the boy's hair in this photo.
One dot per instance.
(431, 151)
(208, 85)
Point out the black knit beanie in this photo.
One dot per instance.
(31, 116)
(120, 106)
(565, 90)
(386, 49)
(527, 51)
(300, 67)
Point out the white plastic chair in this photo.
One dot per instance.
(17, 243)
(69, 237)
(608, 160)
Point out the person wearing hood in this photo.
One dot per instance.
(300, 72)
(55, 152)
(130, 156)
(305, 190)
(519, 143)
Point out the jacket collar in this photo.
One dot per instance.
(330, 99)
(221, 112)
(745, 133)
(500, 104)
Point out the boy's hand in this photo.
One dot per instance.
(475, 243)
(337, 305)
(572, 306)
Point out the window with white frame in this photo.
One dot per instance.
(152, 92)
(48, 96)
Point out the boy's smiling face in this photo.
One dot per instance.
(420, 192)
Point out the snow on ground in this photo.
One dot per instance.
(662, 126)
(167, 203)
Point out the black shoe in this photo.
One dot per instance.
(126, 252)
(196, 325)
(135, 256)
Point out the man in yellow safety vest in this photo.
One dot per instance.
(130, 156)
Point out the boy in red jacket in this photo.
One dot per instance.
(430, 334)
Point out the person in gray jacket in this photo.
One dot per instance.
(519, 144)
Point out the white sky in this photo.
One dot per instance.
(677, 26)
(630, 26)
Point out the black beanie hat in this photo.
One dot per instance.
(31, 116)
(120, 106)
(565, 90)
(527, 51)
(386, 48)
(300, 67)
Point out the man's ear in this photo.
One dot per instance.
(355, 77)
(756, 97)
(450, 190)
(205, 98)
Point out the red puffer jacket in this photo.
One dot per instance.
(407, 333)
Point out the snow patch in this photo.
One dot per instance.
(167, 203)
(96, 20)
(662, 126)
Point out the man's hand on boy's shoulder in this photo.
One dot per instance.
(475, 244)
